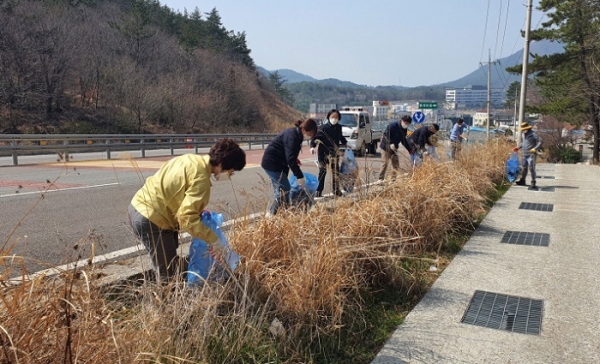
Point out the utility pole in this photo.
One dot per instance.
(515, 115)
(489, 95)
(525, 65)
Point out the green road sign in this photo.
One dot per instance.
(428, 105)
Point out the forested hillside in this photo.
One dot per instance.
(128, 66)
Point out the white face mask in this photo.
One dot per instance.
(333, 121)
(223, 176)
(404, 126)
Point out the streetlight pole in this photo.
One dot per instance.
(525, 65)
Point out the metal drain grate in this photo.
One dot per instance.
(526, 238)
(546, 177)
(503, 312)
(536, 206)
(546, 189)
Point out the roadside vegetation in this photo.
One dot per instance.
(325, 286)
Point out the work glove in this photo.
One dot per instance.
(532, 151)
(312, 151)
(393, 148)
(515, 149)
(217, 250)
(302, 182)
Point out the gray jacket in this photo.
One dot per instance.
(530, 141)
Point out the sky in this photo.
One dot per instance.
(378, 42)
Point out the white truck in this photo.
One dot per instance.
(358, 130)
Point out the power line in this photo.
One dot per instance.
(498, 29)
(485, 31)
(505, 26)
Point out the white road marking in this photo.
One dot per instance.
(60, 189)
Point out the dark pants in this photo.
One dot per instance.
(160, 244)
(331, 161)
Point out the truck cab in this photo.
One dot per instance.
(357, 129)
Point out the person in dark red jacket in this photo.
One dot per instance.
(329, 139)
(281, 155)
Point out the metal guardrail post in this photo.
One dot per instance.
(195, 145)
(172, 150)
(108, 149)
(143, 142)
(15, 155)
(66, 152)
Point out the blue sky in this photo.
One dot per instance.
(378, 42)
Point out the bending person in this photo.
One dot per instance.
(281, 155)
(173, 199)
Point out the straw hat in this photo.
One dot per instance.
(525, 126)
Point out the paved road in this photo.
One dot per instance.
(86, 201)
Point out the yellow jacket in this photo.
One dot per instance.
(175, 196)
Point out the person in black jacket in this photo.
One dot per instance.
(330, 139)
(419, 139)
(281, 155)
(393, 136)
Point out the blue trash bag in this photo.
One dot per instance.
(300, 196)
(202, 264)
(512, 167)
(348, 164)
(348, 171)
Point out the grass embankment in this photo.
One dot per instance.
(321, 287)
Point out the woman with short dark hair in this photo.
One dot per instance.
(281, 155)
(173, 199)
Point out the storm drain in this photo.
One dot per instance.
(526, 238)
(546, 189)
(536, 206)
(503, 312)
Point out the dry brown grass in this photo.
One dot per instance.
(308, 270)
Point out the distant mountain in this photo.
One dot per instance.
(499, 78)
(292, 76)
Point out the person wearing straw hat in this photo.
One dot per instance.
(530, 145)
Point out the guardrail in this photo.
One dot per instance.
(35, 144)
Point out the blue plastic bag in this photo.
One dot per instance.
(348, 165)
(201, 261)
(306, 195)
(512, 167)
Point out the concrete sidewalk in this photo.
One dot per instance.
(563, 277)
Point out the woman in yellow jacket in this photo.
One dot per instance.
(173, 200)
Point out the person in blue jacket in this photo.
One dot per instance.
(393, 136)
(330, 139)
(281, 155)
(457, 136)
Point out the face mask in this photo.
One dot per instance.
(223, 176)
(404, 126)
(333, 121)
(306, 137)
